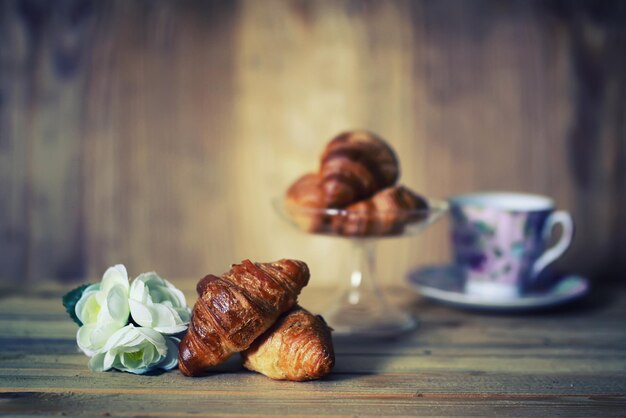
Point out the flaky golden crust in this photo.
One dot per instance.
(236, 308)
(303, 201)
(354, 166)
(385, 213)
(298, 347)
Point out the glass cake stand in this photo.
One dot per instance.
(362, 309)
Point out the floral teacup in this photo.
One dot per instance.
(500, 240)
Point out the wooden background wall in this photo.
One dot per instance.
(154, 133)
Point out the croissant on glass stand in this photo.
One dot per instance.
(297, 347)
(354, 166)
(387, 212)
(234, 309)
(356, 179)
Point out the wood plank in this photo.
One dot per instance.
(253, 404)
(231, 378)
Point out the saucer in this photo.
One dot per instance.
(445, 284)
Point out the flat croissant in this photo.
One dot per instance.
(233, 310)
(298, 347)
(355, 165)
(385, 213)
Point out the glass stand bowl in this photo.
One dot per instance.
(362, 309)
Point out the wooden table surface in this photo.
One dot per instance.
(569, 362)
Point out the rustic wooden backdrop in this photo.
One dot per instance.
(154, 133)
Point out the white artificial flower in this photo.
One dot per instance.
(136, 350)
(155, 303)
(103, 309)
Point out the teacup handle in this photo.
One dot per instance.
(567, 234)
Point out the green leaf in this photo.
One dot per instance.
(70, 300)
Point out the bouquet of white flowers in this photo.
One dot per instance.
(131, 327)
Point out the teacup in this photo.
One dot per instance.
(500, 240)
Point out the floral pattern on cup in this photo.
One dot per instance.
(500, 240)
(492, 244)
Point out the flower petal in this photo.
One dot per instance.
(171, 330)
(125, 336)
(180, 296)
(83, 339)
(151, 355)
(168, 322)
(100, 334)
(156, 339)
(96, 363)
(140, 313)
(117, 304)
(108, 361)
(132, 359)
(150, 278)
(166, 317)
(138, 290)
(115, 275)
(87, 308)
(171, 359)
(80, 305)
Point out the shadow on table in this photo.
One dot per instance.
(599, 298)
(360, 356)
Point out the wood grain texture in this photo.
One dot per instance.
(42, 86)
(569, 362)
(155, 133)
(158, 154)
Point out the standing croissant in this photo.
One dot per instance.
(354, 166)
(385, 213)
(233, 310)
(298, 347)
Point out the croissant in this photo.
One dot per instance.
(354, 166)
(233, 310)
(304, 201)
(385, 213)
(297, 347)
